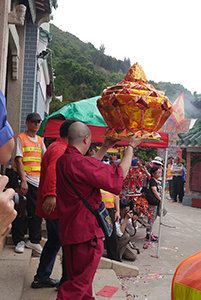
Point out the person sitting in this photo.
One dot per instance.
(127, 221)
(111, 202)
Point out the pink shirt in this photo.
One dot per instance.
(88, 175)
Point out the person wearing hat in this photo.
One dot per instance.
(28, 152)
(158, 162)
(127, 221)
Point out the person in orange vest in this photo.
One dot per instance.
(111, 202)
(170, 177)
(28, 152)
(186, 283)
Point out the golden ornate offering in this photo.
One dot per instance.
(134, 106)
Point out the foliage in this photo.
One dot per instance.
(145, 153)
(82, 71)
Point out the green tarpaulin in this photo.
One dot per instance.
(85, 111)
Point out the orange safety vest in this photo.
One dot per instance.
(31, 154)
(186, 283)
(169, 173)
(108, 199)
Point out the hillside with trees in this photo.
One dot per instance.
(82, 72)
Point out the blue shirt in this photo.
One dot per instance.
(184, 174)
(6, 132)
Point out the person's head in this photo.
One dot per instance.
(170, 160)
(155, 172)
(124, 207)
(79, 136)
(33, 121)
(106, 159)
(65, 127)
(92, 151)
(177, 160)
(157, 162)
(135, 154)
(150, 159)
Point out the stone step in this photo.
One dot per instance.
(13, 272)
(18, 270)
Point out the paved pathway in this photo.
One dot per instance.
(154, 281)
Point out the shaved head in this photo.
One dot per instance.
(77, 132)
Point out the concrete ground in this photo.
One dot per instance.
(178, 241)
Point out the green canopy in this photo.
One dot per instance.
(85, 111)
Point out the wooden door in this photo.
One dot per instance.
(196, 177)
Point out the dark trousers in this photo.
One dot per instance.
(34, 222)
(178, 187)
(112, 241)
(171, 189)
(49, 253)
(81, 263)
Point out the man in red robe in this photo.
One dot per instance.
(46, 207)
(78, 228)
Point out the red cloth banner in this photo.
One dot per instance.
(52, 130)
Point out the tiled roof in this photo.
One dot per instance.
(191, 138)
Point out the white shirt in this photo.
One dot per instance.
(176, 167)
(129, 226)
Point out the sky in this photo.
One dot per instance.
(164, 37)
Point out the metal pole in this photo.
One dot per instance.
(163, 200)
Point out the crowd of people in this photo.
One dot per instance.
(49, 180)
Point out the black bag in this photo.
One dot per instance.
(105, 221)
(101, 213)
(151, 199)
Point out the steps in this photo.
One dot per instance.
(18, 270)
(14, 268)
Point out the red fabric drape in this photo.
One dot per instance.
(52, 130)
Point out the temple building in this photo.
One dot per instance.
(26, 73)
(192, 142)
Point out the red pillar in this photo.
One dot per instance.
(188, 164)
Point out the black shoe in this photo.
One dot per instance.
(48, 283)
(151, 239)
(154, 240)
(174, 200)
(59, 284)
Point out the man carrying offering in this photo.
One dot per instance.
(78, 227)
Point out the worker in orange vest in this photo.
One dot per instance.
(111, 202)
(186, 283)
(29, 150)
